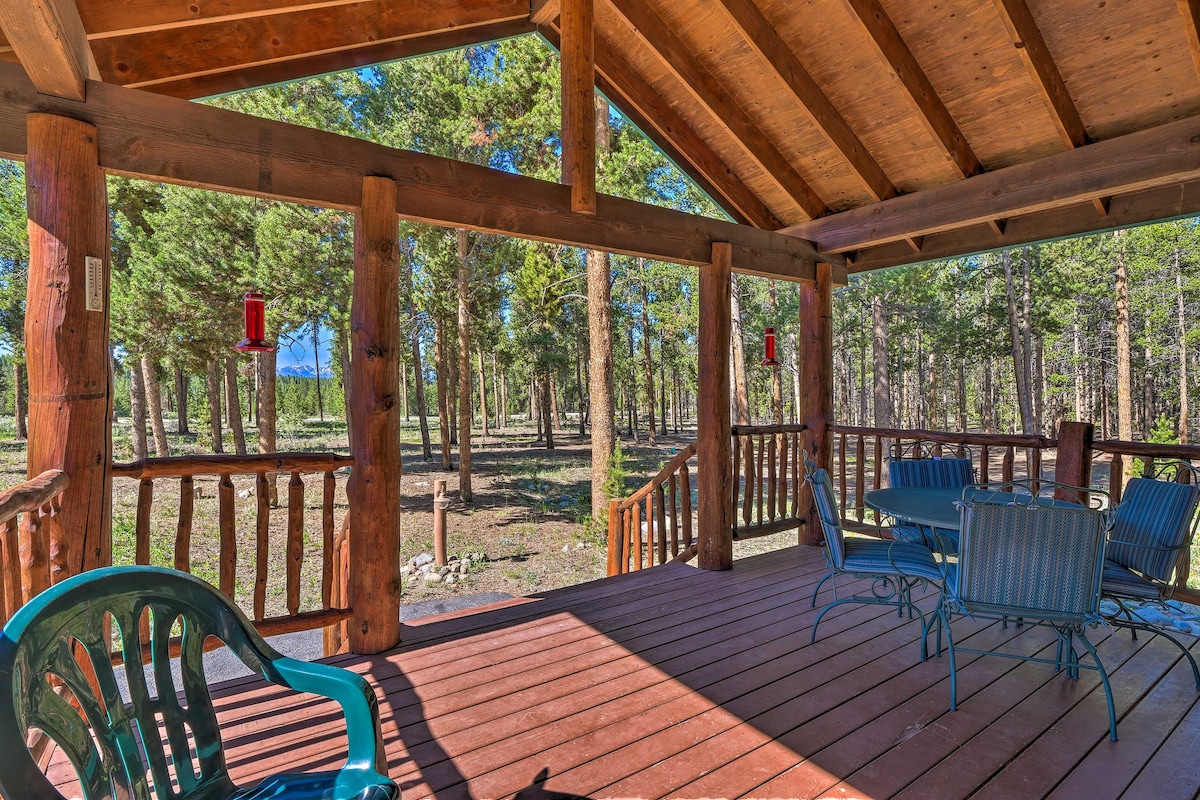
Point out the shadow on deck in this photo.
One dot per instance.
(683, 683)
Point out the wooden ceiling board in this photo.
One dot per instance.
(1126, 63)
(835, 49)
(974, 66)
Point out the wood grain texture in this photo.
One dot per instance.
(710, 94)
(227, 464)
(227, 525)
(578, 64)
(1189, 10)
(713, 469)
(70, 391)
(50, 42)
(374, 487)
(815, 410)
(295, 542)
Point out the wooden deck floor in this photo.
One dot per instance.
(674, 682)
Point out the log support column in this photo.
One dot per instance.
(816, 387)
(374, 487)
(1073, 461)
(66, 335)
(713, 469)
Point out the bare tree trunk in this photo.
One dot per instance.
(137, 407)
(879, 356)
(1026, 316)
(465, 413)
(503, 399)
(1183, 352)
(154, 401)
(579, 388)
(404, 391)
(535, 407)
(547, 392)
(662, 390)
(343, 340)
(443, 394)
(555, 419)
(485, 423)
(419, 385)
(647, 363)
(497, 398)
(233, 411)
(317, 365)
(1077, 350)
(1019, 356)
(213, 381)
(1148, 396)
(632, 395)
(776, 378)
(181, 401)
(741, 398)
(1124, 372)
(267, 414)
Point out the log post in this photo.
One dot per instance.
(66, 333)
(579, 104)
(816, 386)
(1073, 463)
(374, 486)
(714, 478)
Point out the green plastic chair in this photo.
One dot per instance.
(115, 745)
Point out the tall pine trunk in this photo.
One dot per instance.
(20, 401)
(1016, 345)
(465, 415)
(267, 415)
(181, 401)
(741, 398)
(343, 340)
(776, 378)
(547, 391)
(419, 382)
(154, 402)
(601, 391)
(647, 363)
(317, 364)
(213, 384)
(233, 411)
(1124, 372)
(1183, 352)
(441, 371)
(579, 388)
(631, 404)
(882, 389)
(485, 423)
(137, 407)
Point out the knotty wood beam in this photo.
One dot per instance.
(374, 487)
(762, 37)
(815, 410)
(714, 472)
(652, 114)
(544, 12)
(707, 90)
(159, 138)
(1160, 156)
(578, 65)
(158, 56)
(326, 63)
(1190, 11)
(66, 336)
(49, 41)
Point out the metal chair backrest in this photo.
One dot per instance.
(1153, 522)
(1028, 557)
(827, 511)
(942, 473)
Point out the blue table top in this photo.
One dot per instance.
(933, 506)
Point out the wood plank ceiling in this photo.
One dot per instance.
(787, 112)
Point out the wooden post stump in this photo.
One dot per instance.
(1073, 462)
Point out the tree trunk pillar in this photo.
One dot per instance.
(816, 387)
(374, 487)
(1073, 462)
(713, 470)
(66, 334)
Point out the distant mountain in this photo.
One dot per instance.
(304, 371)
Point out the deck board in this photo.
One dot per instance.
(674, 682)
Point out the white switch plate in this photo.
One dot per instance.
(94, 271)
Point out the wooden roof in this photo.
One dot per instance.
(785, 111)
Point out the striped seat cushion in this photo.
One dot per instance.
(895, 558)
(1152, 523)
(941, 473)
(1126, 583)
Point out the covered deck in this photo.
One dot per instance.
(681, 682)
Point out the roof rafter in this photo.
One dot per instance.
(49, 40)
(1190, 11)
(704, 87)
(762, 37)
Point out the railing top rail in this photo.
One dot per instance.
(32, 494)
(177, 466)
(1184, 451)
(756, 430)
(1001, 439)
(673, 465)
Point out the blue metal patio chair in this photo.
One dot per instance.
(894, 567)
(1029, 557)
(1154, 524)
(918, 470)
(115, 745)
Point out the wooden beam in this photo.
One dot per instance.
(1046, 78)
(50, 42)
(159, 56)
(374, 487)
(653, 115)
(1190, 11)
(1151, 205)
(762, 37)
(578, 65)
(934, 115)
(714, 471)
(338, 61)
(544, 12)
(1153, 157)
(816, 388)
(650, 29)
(66, 334)
(159, 138)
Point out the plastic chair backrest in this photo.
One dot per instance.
(1153, 521)
(1031, 559)
(111, 749)
(831, 523)
(940, 473)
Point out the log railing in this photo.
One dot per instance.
(768, 477)
(654, 524)
(28, 525)
(262, 468)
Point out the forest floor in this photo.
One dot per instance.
(529, 514)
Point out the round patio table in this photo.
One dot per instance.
(933, 507)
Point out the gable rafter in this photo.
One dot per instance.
(762, 37)
(50, 42)
(1190, 11)
(674, 55)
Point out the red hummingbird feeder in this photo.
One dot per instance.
(255, 306)
(770, 360)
